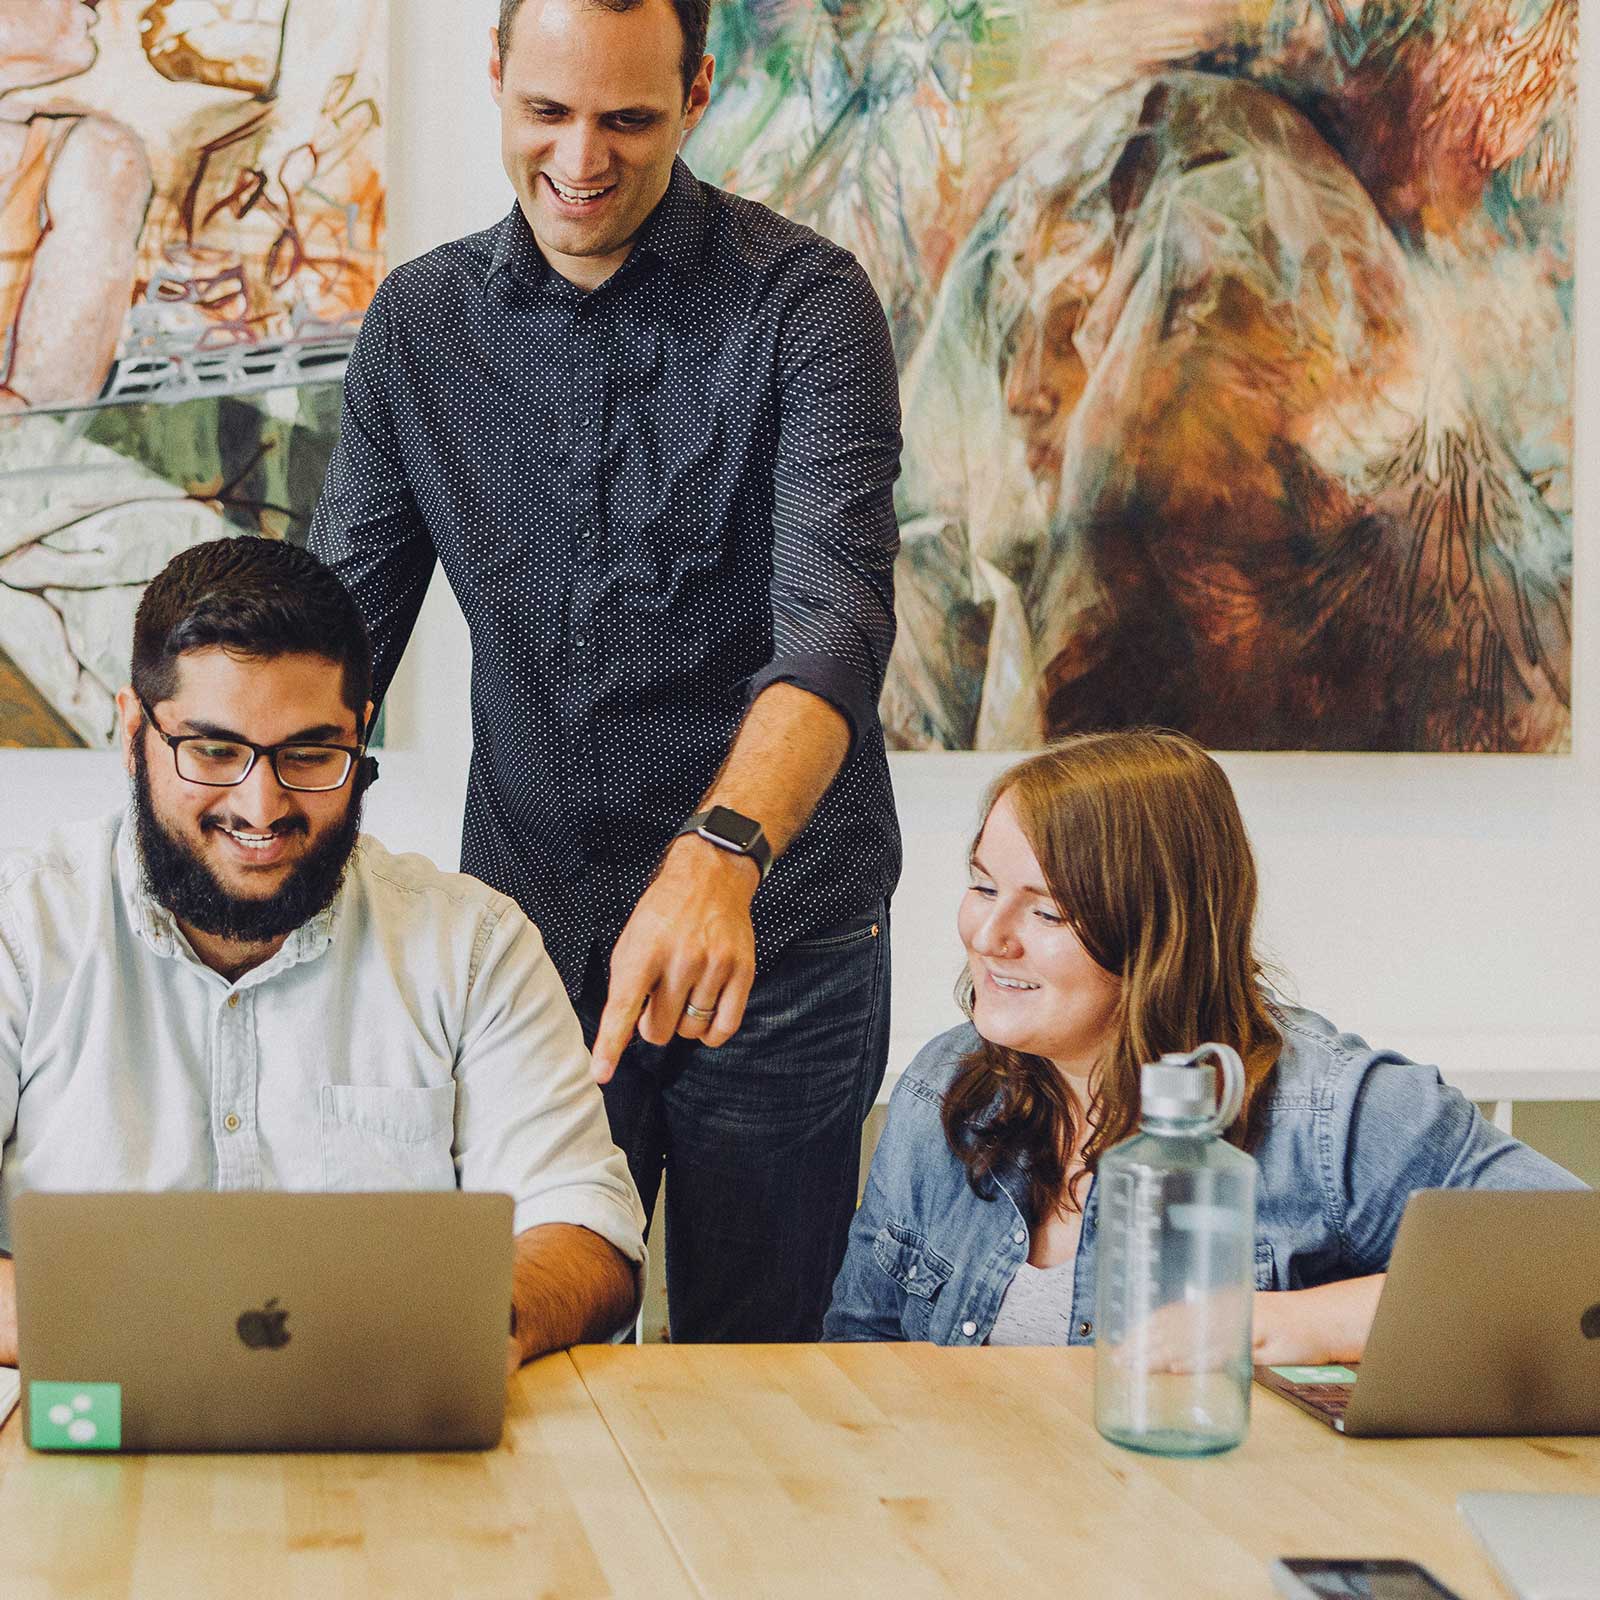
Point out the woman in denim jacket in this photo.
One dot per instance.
(1109, 920)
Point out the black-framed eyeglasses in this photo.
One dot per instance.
(226, 763)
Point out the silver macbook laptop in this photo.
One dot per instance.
(263, 1321)
(1545, 1546)
(1489, 1323)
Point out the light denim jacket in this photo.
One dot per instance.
(1349, 1133)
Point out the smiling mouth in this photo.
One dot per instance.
(577, 197)
(254, 841)
(267, 848)
(1012, 985)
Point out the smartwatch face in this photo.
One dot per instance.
(740, 832)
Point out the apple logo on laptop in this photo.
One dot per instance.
(1589, 1323)
(264, 1329)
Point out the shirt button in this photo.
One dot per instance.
(968, 1329)
(1085, 1329)
(231, 1122)
(233, 1000)
(1020, 1236)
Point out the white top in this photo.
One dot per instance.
(1037, 1305)
(413, 1036)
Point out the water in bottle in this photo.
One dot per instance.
(1175, 1272)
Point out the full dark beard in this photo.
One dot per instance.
(188, 888)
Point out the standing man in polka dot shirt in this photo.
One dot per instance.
(650, 431)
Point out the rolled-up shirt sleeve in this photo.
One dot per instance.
(834, 533)
(530, 1121)
(367, 527)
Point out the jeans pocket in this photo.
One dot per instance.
(842, 934)
(377, 1137)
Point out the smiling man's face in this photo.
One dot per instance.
(592, 112)
(246, 864)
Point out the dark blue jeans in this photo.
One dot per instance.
(760, 1140)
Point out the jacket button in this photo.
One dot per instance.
(911, 1271)
(969, 1328)
(1020, 1236)
(1085, 1329)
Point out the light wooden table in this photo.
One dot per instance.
(907, 1470)
(554, 1512)
(745, 1472)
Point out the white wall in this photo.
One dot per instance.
(1448, 905)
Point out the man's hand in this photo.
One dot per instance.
(689, 943)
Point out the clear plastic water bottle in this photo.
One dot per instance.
(1175, 1272)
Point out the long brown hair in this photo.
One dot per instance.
(1143, 849)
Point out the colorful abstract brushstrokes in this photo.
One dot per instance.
(1236, 349)
(192, 221)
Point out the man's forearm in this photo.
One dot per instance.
(569, 1286)
(787, 751)
(8, 1312)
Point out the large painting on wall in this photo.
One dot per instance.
(191, 225)
(1236, 351)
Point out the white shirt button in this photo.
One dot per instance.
(231, 1122)
(233, 1000)
(969, 1328)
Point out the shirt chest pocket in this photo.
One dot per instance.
(386, 1138)
(917, 1270)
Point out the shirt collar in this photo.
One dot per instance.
(159, 929)
(674, 232)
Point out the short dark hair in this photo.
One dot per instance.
(694, 17)
(257, 597)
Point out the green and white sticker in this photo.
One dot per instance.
(1315, 1374)
(75, 1416)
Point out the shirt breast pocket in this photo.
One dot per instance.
(377, 1137)
(918, 1270)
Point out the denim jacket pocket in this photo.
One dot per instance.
(1264, 1264)
(918, 1271)
(378, 1137)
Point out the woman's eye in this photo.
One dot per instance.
(985, 889)
(1053, 919)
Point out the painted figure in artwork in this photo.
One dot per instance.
(74, 187)
(191, 226)
(249, 242)
(1236, 345)
(1297, 527)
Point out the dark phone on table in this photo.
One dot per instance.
(1306, 1578)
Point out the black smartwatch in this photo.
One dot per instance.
(731, 831)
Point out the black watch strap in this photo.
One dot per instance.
(732, 831)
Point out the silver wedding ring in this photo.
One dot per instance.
(690, 1009)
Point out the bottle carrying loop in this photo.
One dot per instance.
(1232, 1069)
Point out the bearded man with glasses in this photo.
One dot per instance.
(230, 987)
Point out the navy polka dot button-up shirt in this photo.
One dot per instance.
(652, 501)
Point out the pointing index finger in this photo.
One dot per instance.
(617, 1022)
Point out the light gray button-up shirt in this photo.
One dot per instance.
(413, 1036)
